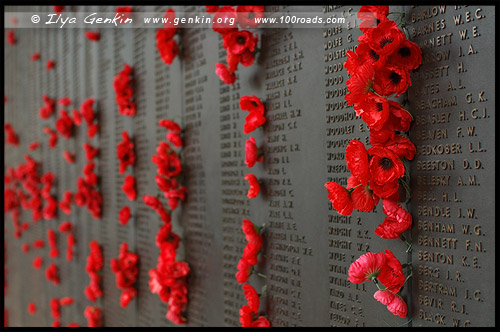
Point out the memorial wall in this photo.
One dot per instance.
(308, 246)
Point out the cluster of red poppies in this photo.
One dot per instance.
(124, 92)
(64, 124)
(252, 249)
(66, 227)
(248, 312)
(55, 309)
(88, 193)
(52, 274)
(379, 68)
(49, 107)
(88, 114)
(165, 42)
(253, 120)
(52, 240)
(240, 45)
(385, 268)
(25, 176)
(125, 152)
(93, 269)
(12, 137)
(93, 315)
(169, 278)
(126, 271)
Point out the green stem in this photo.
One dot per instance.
(261, 275)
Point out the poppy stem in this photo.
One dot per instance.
(403, 182)
(261, 275)
(354, 187)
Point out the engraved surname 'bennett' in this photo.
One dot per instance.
(437, 242)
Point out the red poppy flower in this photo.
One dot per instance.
(129, 187)
(64, 124)
(392, 275)
(353, 63)
(363, 198)
(124, 215)
(340, 198)
(249, 16)
(253, 121)
(50, 64)
(92, 130)
(385, 165)
(261, 322)
(167, 46)
(77, 118)
(34, 146)
(66, 227)
(237, 42)
(93, 315)
(357, 161)
(37, 262)
(124, 92)
(374, 111)
(360, 84)
(87, 111)
(93, 35)
(254, 186)
(48, 108)
(25, 247)
(252, 104)
(367, 267)
(408, 55)
(90, 151)
(386, 190)
(175, 139)
(69, 250)
(31, 308)
(402, 147)
(391, 228)
(167, 161)
(170, 125)
(38, 244)
(252, 297)
(367, 55)
(384, 296)
(224, 20)
(51, 273)
(35, 56)
(252, 153)
(399, 117)
(224, 74)
(12, 137)
(125, 152)
(390, 80)
(398, 306)
(11, 38)
(385, 38)
(69, 157)
(243, 271)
